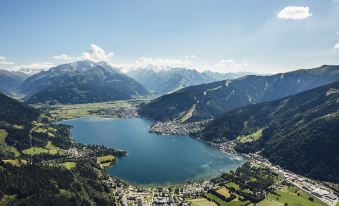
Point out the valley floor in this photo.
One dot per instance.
(114, 109)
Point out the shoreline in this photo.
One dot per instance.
(151, 185)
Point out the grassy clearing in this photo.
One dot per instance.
(15, 126)
(3, 145)
(50, 148)
(292, 198)
(105, 159)
(202, 202)
(43, 129)
(6, 199)
(15, 162)
(66, 193)
(223, 203)
(224, 192)
(188, 114)
(251, 137)
(268, 202)
(69, 165)
(34, 151)
(232, 185)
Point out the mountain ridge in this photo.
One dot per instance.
(167, 80)
(10, 81)
(213, 99)
(80, 82)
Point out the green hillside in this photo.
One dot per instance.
(35, 167)
(299, 132)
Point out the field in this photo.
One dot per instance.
(107, 158)
(15, 162)
(232, 185)
(224, 192)
(251, 137)
(291, 197)
(202, 202)
(50, 148)
(34, 151)
(69, 165)
(106, 161)
(268, 202)
(61, 112)
(4, 146)
(223, 203)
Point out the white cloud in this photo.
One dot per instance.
(37, 65)
(294, 13)
(4, 61)
(64, 57)
(228, 65)
(337, 32)
(336, 46)
(159, 62)
(155, 63)
(192, 56)
(32, 68)
(95, 53)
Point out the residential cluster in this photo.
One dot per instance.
(176, 128)
(121, 112)
(317, 189)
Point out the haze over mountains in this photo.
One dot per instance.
(167, 80)
(208, 101)
(10, 81)
(299, 132)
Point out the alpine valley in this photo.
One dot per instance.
(77, 134)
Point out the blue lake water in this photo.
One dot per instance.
(152, 159)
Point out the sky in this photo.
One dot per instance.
(219, 35)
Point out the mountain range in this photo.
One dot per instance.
(208, 101)
(299, 132)
(10, 81)
(80, 82)
(167, 80)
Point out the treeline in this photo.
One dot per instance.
(39, 185)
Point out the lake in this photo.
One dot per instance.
(152, 159)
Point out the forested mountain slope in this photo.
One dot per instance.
(299, 132)
(33, 160)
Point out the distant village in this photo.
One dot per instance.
(321, 191)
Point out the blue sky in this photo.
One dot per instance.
(220, 35)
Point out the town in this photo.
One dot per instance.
(176, 128)
(316, 188)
